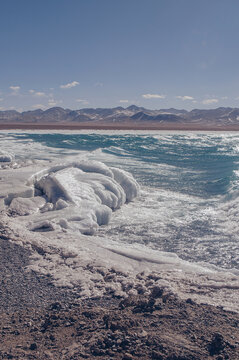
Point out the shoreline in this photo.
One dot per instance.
(131, 315)
(118, 126)
(55, 323)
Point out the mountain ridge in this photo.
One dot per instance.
(221, 116)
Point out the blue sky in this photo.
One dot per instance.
(106, 53)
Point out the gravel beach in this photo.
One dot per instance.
(41, 321)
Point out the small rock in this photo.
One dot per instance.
(33, 346)
(143, 333)
(127, 356)
(55, 306)
(116, 326)
(217, 344)
(97, 351)
(190, 301)
(156, 355)
(156, 292)
(9, 356)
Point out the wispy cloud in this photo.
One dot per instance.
(82, 101)
(37, 93)
(53, 102)
(70, 85)
(185, 97)
(98, 84)
(210, 101)
(1, 99)
(153, 96)
(124, 101)
(15, 89)
(38, 106)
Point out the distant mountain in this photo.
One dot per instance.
(141, 116)
(221, 116)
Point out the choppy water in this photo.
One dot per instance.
(189, 202)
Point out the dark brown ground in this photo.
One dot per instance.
(158, 327)
(39, 321)
(119, 126)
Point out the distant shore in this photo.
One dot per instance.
(116, 126)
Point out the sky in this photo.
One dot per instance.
(107, 53)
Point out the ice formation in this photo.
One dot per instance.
(78, 196)
(5, 157)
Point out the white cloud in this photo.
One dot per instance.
(153, 96)
(53, 102)
(1, 99)
(15, 88)
(98, 84)
(38, 106)
(185, 97)
(69, 85)
(210, 101)
(124, 101)
(39, 93)
(1, 108)
(224, 98)
(82, 101)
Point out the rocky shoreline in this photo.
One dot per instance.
(41, 321)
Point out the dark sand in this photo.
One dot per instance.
(39, 321)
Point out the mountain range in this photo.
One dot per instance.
(222, 116)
